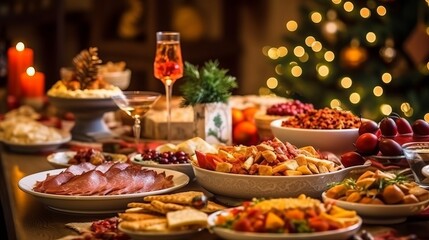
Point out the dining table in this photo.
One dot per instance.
(27, 218)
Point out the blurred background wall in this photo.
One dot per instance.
(234, 32)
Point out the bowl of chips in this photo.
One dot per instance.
(270, 169)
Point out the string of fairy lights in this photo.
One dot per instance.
(354, 55)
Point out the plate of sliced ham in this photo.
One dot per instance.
(99, 189)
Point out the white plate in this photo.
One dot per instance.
(61, 159)
(93, 204)
(185, 168)
(225, 233)
(381, 214)
(38, 147)
(167, 235)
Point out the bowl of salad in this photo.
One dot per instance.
(285, 218)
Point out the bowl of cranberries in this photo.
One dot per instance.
(172, 160)
(276, 111)
(326, 129)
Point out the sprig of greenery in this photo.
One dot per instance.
(208, 84)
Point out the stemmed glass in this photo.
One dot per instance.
(168, 66)
(136, 104)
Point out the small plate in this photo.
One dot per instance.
(167, 235)
(185, 168)
(38, 147)
(381, 214)
(61, 159)
(225, 233)
(93, 204)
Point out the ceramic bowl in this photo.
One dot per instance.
(241, 186)
(224, 233)
(381, 214)
(337, 141)
(120, 79)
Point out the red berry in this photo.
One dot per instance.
(420, 127)
(404, 127)
(388, 127)
(368, 126)
(352, 159)
(367, 144)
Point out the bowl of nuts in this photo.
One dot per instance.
(325, 129)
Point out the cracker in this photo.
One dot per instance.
(142, 225)
(186, 218)
(144, 207)
(130, 216)
(212, 207)
(166, 207)
(179, 198)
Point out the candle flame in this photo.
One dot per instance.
(20, 46)
(31, 71)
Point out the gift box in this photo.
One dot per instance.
(182, 126)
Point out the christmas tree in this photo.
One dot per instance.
(366, 56)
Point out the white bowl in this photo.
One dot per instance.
(337, 141)
(381, 214)
(120, 79)
(243, 186)
(343, 233)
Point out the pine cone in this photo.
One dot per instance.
(86, 65)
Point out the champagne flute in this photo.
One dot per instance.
(136, 104)
(168, 66)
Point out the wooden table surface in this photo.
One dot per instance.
(27, 218)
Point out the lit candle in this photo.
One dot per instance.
(32, 84)
(19, 59)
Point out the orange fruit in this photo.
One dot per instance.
(237, 116)
(245, 133)
(249, 113)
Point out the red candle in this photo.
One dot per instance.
(32, 84)
(19, 59)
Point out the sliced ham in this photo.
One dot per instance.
(78, 169)
(53, 181)
(105, 179)
(86, 184)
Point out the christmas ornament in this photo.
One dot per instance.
(417, 44)
(388, 52)
(354, 55)
(331, 27)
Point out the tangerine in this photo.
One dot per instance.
(237, 116)
(245, 133)
(249, 113)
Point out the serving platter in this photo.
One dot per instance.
(61, 159)
(344, 233)
(93, 204)
(38, 147)
(381, 214)
(165, 235)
